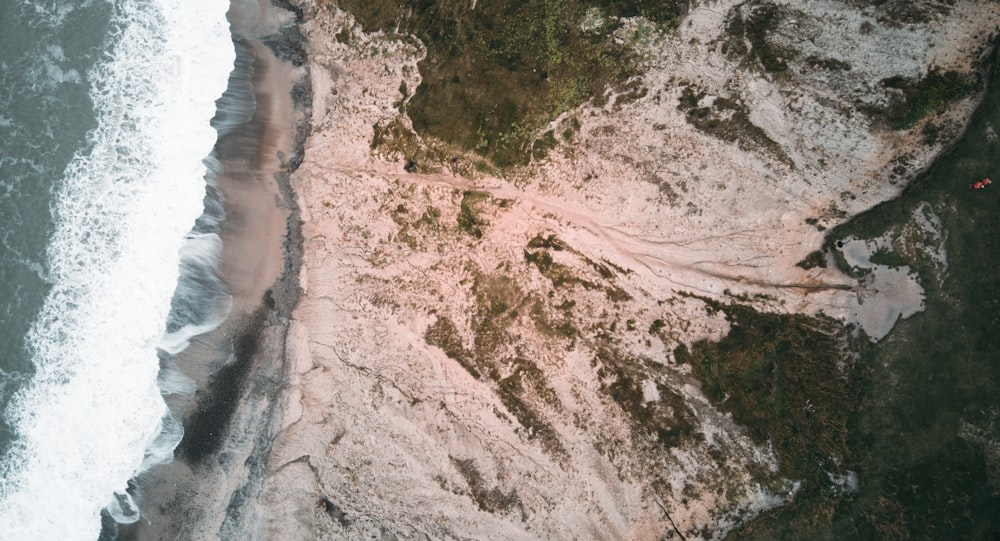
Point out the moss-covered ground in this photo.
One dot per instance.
(921, 97)
(496, 75)
(788, 380)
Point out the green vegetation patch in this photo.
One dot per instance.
(747, 35)
(785, 378)
(827, 64)
(551, 242)
(468, 215)
(923, 438)
(729, 120)
(925, 96)
(518, 382)
(557, 323)
(414, 232)
(523, 392)
(393, 139)
(561, 275)
(498, 304)
(496, 73)
(489, 498)
(815, 259)
(667, 418)
(898, 13)
(443, 334)
(888, 258)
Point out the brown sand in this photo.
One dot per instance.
(236, 366)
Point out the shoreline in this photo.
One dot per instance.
(237, 368)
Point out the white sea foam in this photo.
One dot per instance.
(53, 68)
(52, 13)
(122, 212)
(199, 253)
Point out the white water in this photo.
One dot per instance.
(93, 407)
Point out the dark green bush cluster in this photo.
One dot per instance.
(495, 75)
(925, 96)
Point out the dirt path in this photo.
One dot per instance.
(684, 262)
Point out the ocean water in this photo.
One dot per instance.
(107, 222)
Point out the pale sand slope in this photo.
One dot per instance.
(387, 436)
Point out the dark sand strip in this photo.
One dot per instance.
(239, 368)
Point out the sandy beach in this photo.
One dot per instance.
(238, 368)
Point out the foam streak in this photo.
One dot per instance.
(122, 211)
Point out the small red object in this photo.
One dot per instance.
(977, 185)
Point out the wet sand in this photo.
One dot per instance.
(238, 368)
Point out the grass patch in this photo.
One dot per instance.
(415, 232)
(656, 326)
(394, 140)
(495, 75)
(889, 258)
(728, 120)
(489, 499)
(813, 260)
(556, 323)
(898, 13)
(521, 393)
(518, 382)
(560, 275)
(543, 145)
(468, 215)
(752, 29)
(550, 242)
(923, 434)
(925, 96)
(827, 64)
(782, 377)
(498, 303)
(667, 418)
(443, 334)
